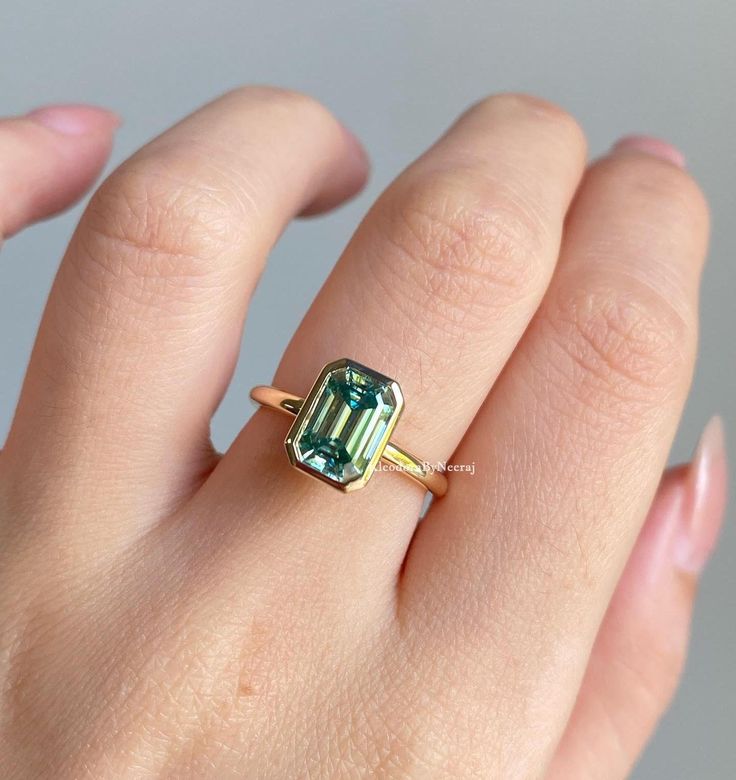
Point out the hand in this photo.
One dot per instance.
(169, 612)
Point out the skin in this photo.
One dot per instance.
(167, 611)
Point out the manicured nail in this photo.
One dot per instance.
(75, 119)
(704, 500)
(655, 147)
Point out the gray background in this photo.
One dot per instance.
(398, 72)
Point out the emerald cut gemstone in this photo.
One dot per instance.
(344, 424)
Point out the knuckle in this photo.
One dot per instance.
(680, 203)
(535, 108)
(274, 94)
(167, 217)
(299, 105)
(147, 226)
(159, 211)
(624, 340)
(465, 242)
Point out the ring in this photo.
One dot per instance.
(343, 428)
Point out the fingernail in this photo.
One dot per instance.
(704, 500)
(75, 119)
(655, 147)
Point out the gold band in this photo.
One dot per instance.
(429, 478)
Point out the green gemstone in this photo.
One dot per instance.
(344, 425)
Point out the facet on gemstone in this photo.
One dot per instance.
(344, 424)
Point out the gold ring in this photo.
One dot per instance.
(343, 427)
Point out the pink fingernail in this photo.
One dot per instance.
(705, 500)
(655, 147)
(75, 119)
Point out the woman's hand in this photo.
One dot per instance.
(169, 612)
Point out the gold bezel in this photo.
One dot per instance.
(307, 409)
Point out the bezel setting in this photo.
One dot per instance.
(344, 424)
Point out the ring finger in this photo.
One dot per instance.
(435, 289)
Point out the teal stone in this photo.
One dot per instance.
(344, 424)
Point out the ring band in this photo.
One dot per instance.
(343, 426)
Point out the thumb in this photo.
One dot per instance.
(48, 159)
